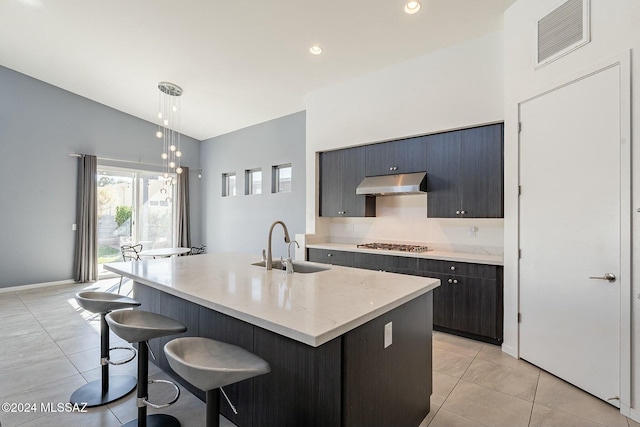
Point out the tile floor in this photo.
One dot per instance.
(50, 347)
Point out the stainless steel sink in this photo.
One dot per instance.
(298, 267)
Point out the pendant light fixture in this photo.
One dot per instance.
(168, 132)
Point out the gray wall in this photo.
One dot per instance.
(241, 223)
(40, 125)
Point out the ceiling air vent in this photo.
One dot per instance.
(563, 30)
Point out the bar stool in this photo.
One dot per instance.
(210, 365)
(139, 327)
(107, 388)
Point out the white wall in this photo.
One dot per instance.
(614, 29)
(453, 88)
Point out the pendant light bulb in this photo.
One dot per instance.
(173, 147)
(164, 156)
(159, 134)
(178, 153)
(178, 170)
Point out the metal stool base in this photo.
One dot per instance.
(156, 420)
(91, 393)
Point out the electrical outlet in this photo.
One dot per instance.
(388, 334)
(73, 227)
(473, 231)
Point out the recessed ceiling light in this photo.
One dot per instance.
(412, 7)
(315, 50)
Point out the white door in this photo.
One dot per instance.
(570, 231)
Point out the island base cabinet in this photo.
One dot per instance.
(389, 386)
(350, 381)
(303, 387)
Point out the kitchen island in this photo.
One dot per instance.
(347, 347)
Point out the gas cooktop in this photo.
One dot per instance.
(394, 247)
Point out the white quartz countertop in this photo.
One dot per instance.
(312, 308)
(431, 254)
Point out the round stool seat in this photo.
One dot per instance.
(137, 326)
(210, 364)
(103, 302)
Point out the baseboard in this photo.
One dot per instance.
(37, 285)
(509, 350)
(634, 414)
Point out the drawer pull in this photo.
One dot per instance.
(453, 268)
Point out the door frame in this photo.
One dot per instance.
(623, 62)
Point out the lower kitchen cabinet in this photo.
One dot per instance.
(391, 264)
(469, 301)
(327, 256)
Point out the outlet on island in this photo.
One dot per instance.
(388, 334)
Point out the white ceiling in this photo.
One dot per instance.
(238, 62)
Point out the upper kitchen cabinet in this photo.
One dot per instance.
(390, 158)
(340, 173)
(465, 173)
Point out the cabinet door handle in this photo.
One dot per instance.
(450, 281)
(463, 212)
(457, 212)
(454, 281)
(329, 254)
(453, 268)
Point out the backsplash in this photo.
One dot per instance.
(403, 219)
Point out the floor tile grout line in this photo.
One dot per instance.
(533, 403)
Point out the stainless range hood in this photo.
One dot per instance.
(386, 185)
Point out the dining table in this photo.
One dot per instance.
(164, 252)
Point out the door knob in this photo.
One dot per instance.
(610, 277)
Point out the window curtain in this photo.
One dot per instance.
(183, 230)
(86, 251)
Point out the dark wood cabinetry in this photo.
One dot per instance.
(343, 258)
(390, 264)
(469, 301)
(465, 173)
(340, 173)
(403, 156)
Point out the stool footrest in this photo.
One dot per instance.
(145, 401)
(106, 360)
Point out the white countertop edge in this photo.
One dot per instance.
(314, 341)
(435, 254)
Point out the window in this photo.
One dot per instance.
(281, 178)
(228, 184)
(253, 181)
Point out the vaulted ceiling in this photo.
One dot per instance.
(238, 62)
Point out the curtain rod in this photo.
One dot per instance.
(117, 160)
(126, 161)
